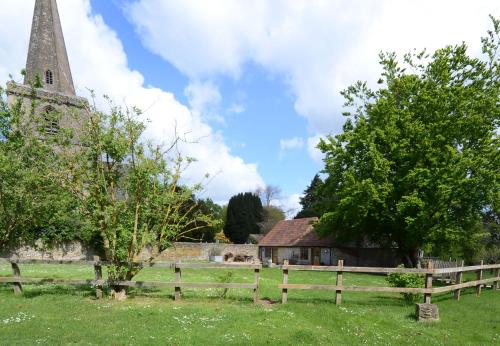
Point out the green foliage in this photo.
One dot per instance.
(130, 191)
(244, 212)
(63, 314)
(272, 215)
(407, 280)
(312, 199)
(417, 162)
(224, 278)
(200, 231)
(33, 203)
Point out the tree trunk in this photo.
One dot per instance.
(409, 256)
(119, 292)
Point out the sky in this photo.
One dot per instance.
(250, 85)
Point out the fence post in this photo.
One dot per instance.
(18, 288)
(479, 276)
(178, 276)
(338, 292)
(496, 284)
(98, 277)
(284, 291)
(428, 283)
(458, 281)
(256, 289)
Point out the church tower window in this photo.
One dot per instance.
(51, 121)
(49, 77)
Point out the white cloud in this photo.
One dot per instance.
(314, 153)
(290, 205)
(294, 143)
(236, 108)
(99, 62)
(291, 143)
(204, 99)
(318, 46)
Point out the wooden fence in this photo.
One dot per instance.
(17, 280)
(427, 291)
(438, 263)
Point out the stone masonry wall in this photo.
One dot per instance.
(203, 251)
(72, 250)
(179, 251)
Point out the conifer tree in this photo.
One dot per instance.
(311, 200)
(244, 212)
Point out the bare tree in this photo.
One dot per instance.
(268, 193)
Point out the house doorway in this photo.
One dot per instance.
(326, 256)
(275, 255)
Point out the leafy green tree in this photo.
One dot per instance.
(418, 161)
(312, 199)
(207, 232)
(130, 191)
(33, 204)
(244, 213)
(272, 215)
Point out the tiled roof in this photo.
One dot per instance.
(298, 232)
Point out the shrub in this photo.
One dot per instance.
(406, 280)
(224, 279)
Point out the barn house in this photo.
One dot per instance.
(297, 242)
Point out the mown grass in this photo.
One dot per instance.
(61, 315)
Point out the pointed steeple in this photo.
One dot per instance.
(47, 54)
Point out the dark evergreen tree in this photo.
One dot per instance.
(244, 212)
(311, 200)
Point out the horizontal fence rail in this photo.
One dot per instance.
(427, 291)
(17, 280)
(179, 284)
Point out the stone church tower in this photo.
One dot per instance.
(48, 61)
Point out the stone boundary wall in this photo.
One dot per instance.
(76, 250)
(203, 251)
(70, 250)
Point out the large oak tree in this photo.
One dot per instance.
(418, 161)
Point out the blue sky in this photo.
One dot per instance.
(267, 107)
(254, 84)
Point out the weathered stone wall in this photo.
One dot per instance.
(203, 251)
(73, 250)
(179, 251)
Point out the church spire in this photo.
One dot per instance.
(47, 55)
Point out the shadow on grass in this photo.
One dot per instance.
(33, 291)
(412, 317)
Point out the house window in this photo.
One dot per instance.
(304, 253)
(267, 252)
(49, 77)
(51, 121)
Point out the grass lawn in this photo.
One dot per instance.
(61, 315)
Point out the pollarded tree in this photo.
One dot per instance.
(418, 161)
(244, 213)
(130, 191)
